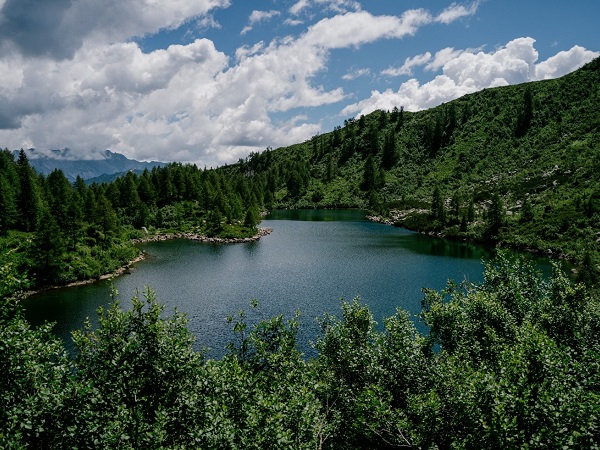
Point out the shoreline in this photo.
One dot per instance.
(202, 238)
(393, 221)
(124, 269)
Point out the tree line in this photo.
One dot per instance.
(55, 231)
(516, 165)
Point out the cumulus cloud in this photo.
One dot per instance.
(356, 29)
(259, 16)
(409, 63)
(456, 11)
(58, 28)
(293, 22)
(469, 71)
(357, 73)
(299, 6)
(443, 56)
(564, 62)
(338, 6)
(207, 22)
(195, 103)
(187, 102)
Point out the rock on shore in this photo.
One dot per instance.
(202, 238)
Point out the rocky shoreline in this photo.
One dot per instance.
(156, 238)
(202, 238)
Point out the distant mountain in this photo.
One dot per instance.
(105, 165)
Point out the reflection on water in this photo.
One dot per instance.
(318, 215)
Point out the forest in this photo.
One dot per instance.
(510, 362)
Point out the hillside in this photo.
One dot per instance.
(518, 165)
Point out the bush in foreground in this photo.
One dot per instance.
(511, 362)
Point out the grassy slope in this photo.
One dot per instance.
(555, 164)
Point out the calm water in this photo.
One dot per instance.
(310, 261)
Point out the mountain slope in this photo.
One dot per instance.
(106, 163)
(534, 146)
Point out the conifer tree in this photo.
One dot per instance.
(8, 207)
(369, 180)
(48, 248)
(28, 200)
(437, 206)
(471, 211)
(105, 217)
(525, 115)
(59, 196)
(495, 217)
(526, 211)
(390, 155)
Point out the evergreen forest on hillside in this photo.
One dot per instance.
(511, 362)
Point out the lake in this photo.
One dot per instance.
(312, 259)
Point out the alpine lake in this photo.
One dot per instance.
(310, 262)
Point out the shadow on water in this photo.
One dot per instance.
(318, 215)
(435, 246)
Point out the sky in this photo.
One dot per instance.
(209, 81)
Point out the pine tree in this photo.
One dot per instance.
(59, 198)
(105, 217)
(399, 119)
(28, 200)
(74, 219)
(252, 218)
(525, 115)
(471, 211)
(390, 155)
(8, 207)
(369, 180)
(495, 217)
(526, 211)
(437, 206)
(48, 248)
(463, 224)
(455, 204)
(436, 138)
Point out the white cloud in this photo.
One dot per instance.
(207, 22)
(337, 6)
(59, 28)
(409, 63)
(356, 29)
(293, 22)
(564, 62)
(259, 16)
(299, 6)
(441, 57)
(195, 103)
(456, 11)
(187, 102)
(469, 71)
(354, 74)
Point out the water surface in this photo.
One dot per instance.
(310, 261)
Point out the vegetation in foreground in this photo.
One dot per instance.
(510, 363)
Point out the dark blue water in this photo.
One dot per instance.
(311, 261)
